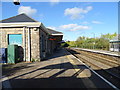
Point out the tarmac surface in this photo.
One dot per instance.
(61, 70)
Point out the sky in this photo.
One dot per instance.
(73, 19)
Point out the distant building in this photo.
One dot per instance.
(32, 36)
(115, 44)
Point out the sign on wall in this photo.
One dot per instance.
(15, 39)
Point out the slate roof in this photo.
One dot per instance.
(24, 18)
(50, 31)
(19, 18)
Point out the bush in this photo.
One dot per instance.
(65, 45)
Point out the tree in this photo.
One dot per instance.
(80, 38)
(101, 42)
(109, 36)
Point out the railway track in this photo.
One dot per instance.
(106, 67)
(102, 58)
(107, 62)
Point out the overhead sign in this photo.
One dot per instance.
(52, 38)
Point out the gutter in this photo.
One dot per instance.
(24, 35)
(29, 49)
(57, 34)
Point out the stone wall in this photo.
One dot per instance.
(35, 44)
(34, 36)
(4, 35)
(43, 43)
(40, 45)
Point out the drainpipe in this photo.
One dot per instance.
(24, 43)
(46, 43)
(29, 51)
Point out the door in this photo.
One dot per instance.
(12, 53)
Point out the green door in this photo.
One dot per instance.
(12, 53)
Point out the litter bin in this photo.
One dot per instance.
(3, 55)
(12, 53)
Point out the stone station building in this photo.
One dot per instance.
(35, 40)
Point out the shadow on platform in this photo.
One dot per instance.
(58, 53)
(58, 79)
(57, 82)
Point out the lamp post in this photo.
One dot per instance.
(94, 40)
(75, 44)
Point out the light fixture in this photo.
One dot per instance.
(16, 2)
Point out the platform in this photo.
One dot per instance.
(117, 54)
(61, 70)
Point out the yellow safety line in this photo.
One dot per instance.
(74, 66)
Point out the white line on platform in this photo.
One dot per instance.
(100, 76)
(96, 73)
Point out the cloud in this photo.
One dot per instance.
(96, 22)
(54, 2)
(85, 22)
(27, 10)
(70, 27)
(76, 13)
(74, 27)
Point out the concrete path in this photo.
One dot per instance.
(61, 70)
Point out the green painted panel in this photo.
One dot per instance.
(12, 53)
